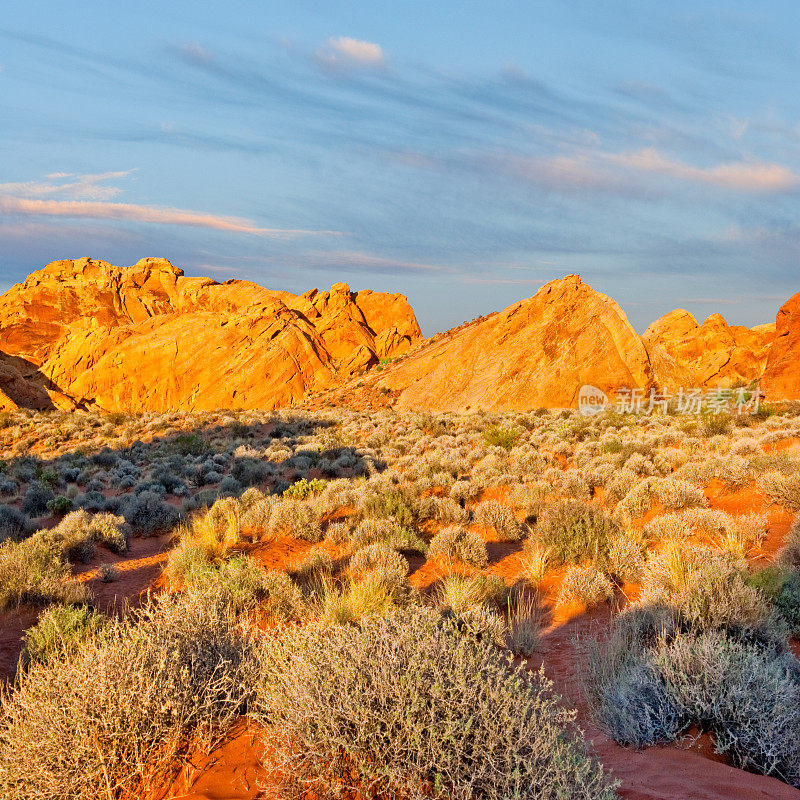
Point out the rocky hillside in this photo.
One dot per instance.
(85, 332)
(537, 352)
(540, 351)
(147, 338)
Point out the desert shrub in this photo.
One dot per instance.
(108, 573)
(314, 564)
(59, 505)
(679, 494)
(188, 444)
(296, 519)
(463, 490)
(239, 583)
(13, 523)
(459, 544)
(748, 696)
(443, 509)
(35, 571)
(37, 496)
(337, 532)
(639, 498)
(181, 673)
(249, 471)
(716, 424)
(524, 623)
(388, 504)
(780, 585)
(148, 513)
(499, 517)
(381, 564)
(59, 633)
(585, 584)
(534, 562)
(462, 592)
(575, 532)
(499, 436)
(304, 488)
(464, 722)
(782, 488)
(789, 554)
(370, 531)
(626, 558)
(78, 532)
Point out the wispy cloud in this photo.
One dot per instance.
(140, 213)
(78, 187)
(345, 51)
(632, 172)
(83, 196)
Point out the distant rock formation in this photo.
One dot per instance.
(684, 353)
(146, 338)
(537, 352)
(782, 372)
(85, 333)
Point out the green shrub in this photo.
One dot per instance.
(575, 533)
(188, 444)
(59, 633)
(303, 488)
(35, 571)
(499, 436)
(408, 706)
(59, 505)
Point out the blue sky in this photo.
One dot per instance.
(463, 153)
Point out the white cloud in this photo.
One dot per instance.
(79, 187)
(623, 172)
(82, 197)
(343, 51)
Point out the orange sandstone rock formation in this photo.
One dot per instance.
(782, 373)
(537, 352)
(147, 338)
(684, 353)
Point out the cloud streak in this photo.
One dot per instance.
(132, 212)
(83, 197)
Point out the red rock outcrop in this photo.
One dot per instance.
(537, 352)
(148, 338)
(684, 353)
(782, 373)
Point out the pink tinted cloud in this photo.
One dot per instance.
(27, 206)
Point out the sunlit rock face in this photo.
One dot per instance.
(147, 338)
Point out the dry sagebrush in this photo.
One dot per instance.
(410, 707)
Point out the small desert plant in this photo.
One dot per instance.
(35, 571)
(499, 436)
(782, 488)
(585, 584)
(499, 518)
(314, 564)
(296, 519)
(575, 532)
(524, 623)
(534, 562)
(459, 544)
(108, 573)
(178, 675)
(59, 633)
(464, 723)
(303, 488)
